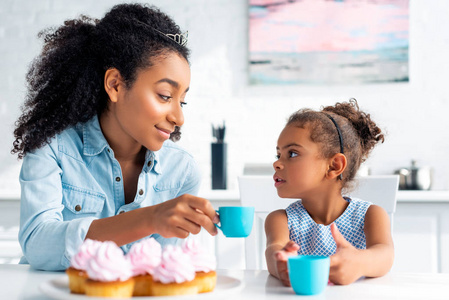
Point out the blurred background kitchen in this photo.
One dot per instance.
(414, 114)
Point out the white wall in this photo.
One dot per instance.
(415, 114)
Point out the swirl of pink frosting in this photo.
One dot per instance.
(85, 252)
(109, 264)
(145, 256)
(202, 260)
(175, 266)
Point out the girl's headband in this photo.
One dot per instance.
(340, 137)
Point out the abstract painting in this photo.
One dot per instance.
(320, 42)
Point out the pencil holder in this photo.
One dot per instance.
(219, 165)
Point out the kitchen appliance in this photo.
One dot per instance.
(415, 177)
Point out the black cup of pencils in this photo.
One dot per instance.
(219, 154)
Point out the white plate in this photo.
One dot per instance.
(59, 289)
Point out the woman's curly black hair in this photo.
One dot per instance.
(65, 82)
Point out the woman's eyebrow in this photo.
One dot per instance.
(172, 83)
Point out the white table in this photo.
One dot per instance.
(22, 282)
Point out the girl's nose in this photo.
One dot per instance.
(176, 116)
(277, 165)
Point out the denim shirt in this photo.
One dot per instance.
(75, 179)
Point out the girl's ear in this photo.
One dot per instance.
(337, 165)
(112, 83)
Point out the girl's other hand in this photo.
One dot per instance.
(281, 257)
(344, 268)
(184, 215)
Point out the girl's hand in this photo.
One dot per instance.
(344, 268)
(281, 257)
(183, 215)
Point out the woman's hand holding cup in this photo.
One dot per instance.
(184, 215)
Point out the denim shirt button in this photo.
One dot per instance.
(121, 212)
(78, 207)
(117, 179)
(140, 192)
(149, 163)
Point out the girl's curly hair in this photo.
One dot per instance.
(359, 132)
(65, 82)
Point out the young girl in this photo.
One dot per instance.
(318, 155)
(105, 96)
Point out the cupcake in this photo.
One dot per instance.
(77, 270)
(144, 257)
(204, 264)
(175, 275)
(109, 273)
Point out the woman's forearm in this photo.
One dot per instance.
(123, 228)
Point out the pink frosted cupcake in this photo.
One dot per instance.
(109, 273)
(77, 270)
(175, 275)
(145, 257)
(204, 264)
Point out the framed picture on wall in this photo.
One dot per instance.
(320, 42)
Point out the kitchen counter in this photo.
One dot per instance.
(423, 196)
(233, 197)
(403, 195)
(9, 194)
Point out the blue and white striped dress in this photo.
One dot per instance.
(316, 239)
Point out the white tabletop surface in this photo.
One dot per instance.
(22, 282)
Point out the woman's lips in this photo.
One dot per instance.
(164, 133)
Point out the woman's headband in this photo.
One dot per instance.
(181, 39)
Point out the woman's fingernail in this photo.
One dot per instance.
(216, 220)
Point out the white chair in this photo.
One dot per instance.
(381, 190)
(259, 191)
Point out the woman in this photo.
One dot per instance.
(105, 96)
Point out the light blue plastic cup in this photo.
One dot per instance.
(309, 274)
(236, 221)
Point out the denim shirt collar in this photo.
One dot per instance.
(152, 162)
(95, 143)
(93, 138)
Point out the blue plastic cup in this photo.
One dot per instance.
(236, 221)
(308, 274)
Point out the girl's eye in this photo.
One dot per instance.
(292, 154)
(277, 156)
(183, 103)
